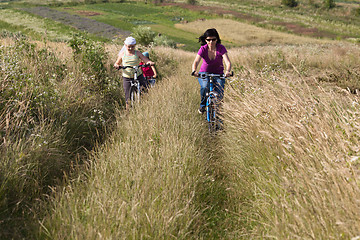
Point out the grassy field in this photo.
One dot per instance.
(306, 20)
(75, 165)
(246, 34)
(53, 112)
(294, 142)
(288, 158)
(36, 25)
(339, 22)
(129, 15)
(38, 28)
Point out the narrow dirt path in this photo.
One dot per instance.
(81, 23)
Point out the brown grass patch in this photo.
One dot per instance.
(244, 34)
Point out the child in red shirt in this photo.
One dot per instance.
(149, 72)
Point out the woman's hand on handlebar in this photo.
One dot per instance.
(229, 74)
(117, 66)
(150, 63)
(194, 73)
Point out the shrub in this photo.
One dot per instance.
(164, 41)
(356, 11)
(329, 4)
(91, 57)
(145, 36)
(313, 3)
(158, 1)
(289, 3)
(192, 2)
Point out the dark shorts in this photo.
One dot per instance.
(127, 85)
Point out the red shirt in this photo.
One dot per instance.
(147, 71)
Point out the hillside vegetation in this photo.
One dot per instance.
(75, 165)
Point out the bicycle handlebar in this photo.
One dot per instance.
(134, 67)
(204, 75)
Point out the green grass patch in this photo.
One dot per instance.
(128, 15)
(340, 21)
(187, 38)
(5, 26)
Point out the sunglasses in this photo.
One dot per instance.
(210, 39)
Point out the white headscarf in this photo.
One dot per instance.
(128, 41)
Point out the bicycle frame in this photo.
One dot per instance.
(135, 89)
(212, 102)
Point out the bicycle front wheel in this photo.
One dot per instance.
(211, 116)
(134, 96)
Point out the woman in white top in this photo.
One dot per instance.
(128, 56)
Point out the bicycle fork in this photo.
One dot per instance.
(211, 108)
(138, 88)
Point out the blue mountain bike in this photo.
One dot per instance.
(212, 102)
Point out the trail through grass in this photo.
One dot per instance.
(158, 177)
(287, 159)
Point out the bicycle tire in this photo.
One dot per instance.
(138, 94)
(211, 116)
(133, 96)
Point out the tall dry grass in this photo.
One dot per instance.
(159, 177)
(50, 116)
(292, 143)
(142, 182)
(285, 167)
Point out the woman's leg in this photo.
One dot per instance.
(127, 86)
(204, 88)
(143, 82)
(219, 87)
